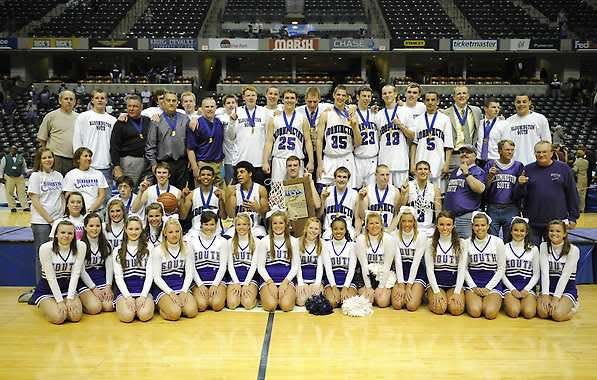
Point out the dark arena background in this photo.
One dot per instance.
(546, 49)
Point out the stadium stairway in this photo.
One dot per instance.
(464, 26)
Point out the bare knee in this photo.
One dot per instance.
(125, 316)
(561, 315)
(55, 318)
(232, 302)
(107, 306)
(170, 312)
(92, 306)
(512, 308)
(248, 302)
(287, 304)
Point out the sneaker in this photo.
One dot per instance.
(25, 297)
(13, 210)
(26, 209)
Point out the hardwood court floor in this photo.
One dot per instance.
(228, 345)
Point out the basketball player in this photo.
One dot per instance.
(293, 166)
(289, 135)
(228, 117)
(395, 127)
(272, 96)
(249, 197)
(424, 197)
(250, 130)
(433, 140)
(383, 198)
(465, 120)
(189, 104)
(365, 155)
(413, 92)
(313, 109)
(337, 136)
(150, 193)
(527, 128)
(343, 204)
(205, 197)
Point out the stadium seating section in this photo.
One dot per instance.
(581, 17)
(418, 19)
(14, 14)
(91, 18)
(171, 18)
(255, 11)
(334, 11)
(503, 19)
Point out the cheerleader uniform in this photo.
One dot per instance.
(210, 259)
(242, 268)
(278, 268)
(371, 250)
(445, 270)
(486, 264)
(98, 272)
(114, 236)
(311, 271)
(172, 270)
(59, 272)
(522, 267)
(342, 258)
(135, 279)
(558, 272)
(411, 251)
(154, 236)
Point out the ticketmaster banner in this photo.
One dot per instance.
(474, 45)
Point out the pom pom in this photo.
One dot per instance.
(378, 272)
(318, 305)
(357, 306)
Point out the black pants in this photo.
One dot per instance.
(179, 173)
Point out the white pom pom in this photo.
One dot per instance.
(357, 306)
(378, 272)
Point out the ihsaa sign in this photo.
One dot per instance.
(297, 44)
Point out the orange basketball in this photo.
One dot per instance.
(169, 201)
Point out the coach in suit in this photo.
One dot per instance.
(465, 120)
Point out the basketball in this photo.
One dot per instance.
(169, 201)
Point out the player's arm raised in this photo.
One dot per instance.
(267, 148)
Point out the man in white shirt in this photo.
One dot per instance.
(492, 130)
(93, 130)
(413, 93)
(526, 129)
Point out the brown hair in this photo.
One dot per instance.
(102, 242)
(142, 250)
(112, 203)
(566, 247)
(37, 159)
(455, 239)
(73, 243)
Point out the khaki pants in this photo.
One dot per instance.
(17, 183)
(581, 187)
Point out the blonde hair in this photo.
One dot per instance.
(164, 243)
(280, 214)
(249, 88)
(415, 229)
(235, 244)
(188, 93)
(303, 239)
(112, 203)
(367, 218)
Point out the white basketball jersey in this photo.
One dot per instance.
(382, 201)
(526, 131)
(338, 134)
(393, 145)
(229, 146)
(417, 110)
(370, 139)
(204, 202)
(340, 205)
(288, 136)
(431, 141)
(423, 200)
(250, 136)
(251, 195)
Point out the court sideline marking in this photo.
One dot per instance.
(265, 347)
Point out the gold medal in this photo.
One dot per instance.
(141, 136)
(211, 140)
(173, 133)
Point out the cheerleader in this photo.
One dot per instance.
(61, 262)
(211, 255)
(133, 274)
(154, 214)
(95, 285)
(173, 269)
(242, 265)
(376, 247)
(278, 264)
(522, 272)
(312, 263)
(341, 254)
(445, 260)
(411, 248)
(74, 212)
(558, 259)
(114, 227)
(485, 270)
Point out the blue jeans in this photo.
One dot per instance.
(229, 173)
(108, 176)
(501, 217)
(463, 225)
(41, 234)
